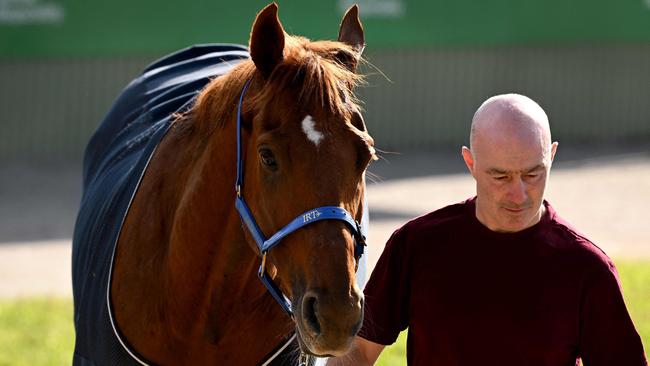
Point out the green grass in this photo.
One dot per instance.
(36, 332)
(39, 331)
(635, 279)
(394, 354)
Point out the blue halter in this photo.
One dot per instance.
(309, 217)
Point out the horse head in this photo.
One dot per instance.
(305, 145)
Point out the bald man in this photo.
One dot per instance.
(499, 279)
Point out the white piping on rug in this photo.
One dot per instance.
(110, 271)
(276, 354)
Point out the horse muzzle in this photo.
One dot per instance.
(327, 323)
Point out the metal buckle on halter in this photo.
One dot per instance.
(263, 265)
(305, 359)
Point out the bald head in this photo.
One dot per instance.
(511, 119)
(510, 158)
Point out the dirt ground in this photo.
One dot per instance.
(605, 193)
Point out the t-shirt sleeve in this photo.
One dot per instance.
(386, 310)
(607, 334)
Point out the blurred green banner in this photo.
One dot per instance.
(38, 28)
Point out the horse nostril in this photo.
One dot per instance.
(309, 312)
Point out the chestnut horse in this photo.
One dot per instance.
(179, 274)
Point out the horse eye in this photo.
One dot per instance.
(267, 158)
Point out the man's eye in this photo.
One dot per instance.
(501, 177)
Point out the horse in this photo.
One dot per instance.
(218, 167)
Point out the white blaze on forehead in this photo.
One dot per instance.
(308, 125)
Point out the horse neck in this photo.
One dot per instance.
(211, 262)
(200, 273)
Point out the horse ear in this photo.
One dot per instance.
(267, 40)
(351, 31)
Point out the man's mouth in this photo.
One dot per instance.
(515, 210)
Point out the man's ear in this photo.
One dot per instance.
(553, 150)
(469, 159)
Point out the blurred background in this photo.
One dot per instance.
(430, 65)
(586, 61)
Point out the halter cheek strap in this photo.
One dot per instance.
(306, 218)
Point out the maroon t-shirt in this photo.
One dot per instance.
(471, 296)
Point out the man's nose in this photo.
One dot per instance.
(517, 191)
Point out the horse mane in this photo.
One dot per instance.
(315, 72)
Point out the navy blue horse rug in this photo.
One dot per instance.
(114, 163)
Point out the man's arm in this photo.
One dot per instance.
(607, 334)
(386, 303)
(363, 352)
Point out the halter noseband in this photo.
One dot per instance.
(309, 217)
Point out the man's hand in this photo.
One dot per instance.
(363, 353)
